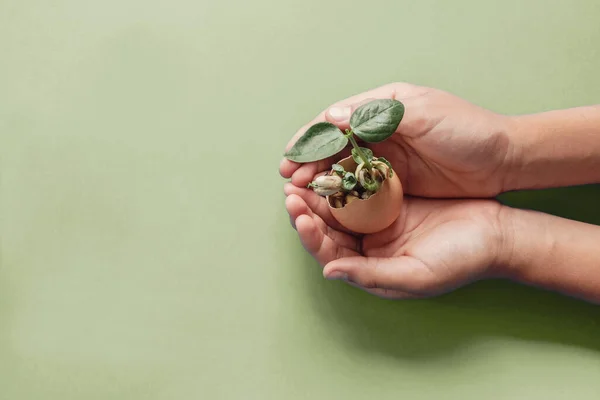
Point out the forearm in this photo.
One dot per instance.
(552, 253)
(555, 148)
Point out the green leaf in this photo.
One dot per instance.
(377, 120)
(320, 141)
(349, 181)
(386, 162)
(337, 168)
(356, 157)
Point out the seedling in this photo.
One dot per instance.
(372, 122)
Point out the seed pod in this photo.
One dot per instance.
(376, 174)
(387, 163)
(361, 177)
(367, 182)
(381, 167)
(326, 185)
(354, 193)
(358, 169)
(338, 203)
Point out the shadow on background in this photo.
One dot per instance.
(420, 329)
(581, 203)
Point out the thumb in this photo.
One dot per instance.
(403, 273)
(339, 114)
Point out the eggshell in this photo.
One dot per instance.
(375, 213)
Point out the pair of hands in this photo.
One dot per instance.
(452, 157)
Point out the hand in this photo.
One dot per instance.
(433, 247)
(444, 146)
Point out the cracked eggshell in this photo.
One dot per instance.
(375, 213)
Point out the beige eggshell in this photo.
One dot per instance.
(375, 213)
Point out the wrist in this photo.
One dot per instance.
(503, 263)
(553, 149)
(549, 252)
(515, 131)
(524, 243)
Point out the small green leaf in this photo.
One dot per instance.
(349, 181)
(320, 141)
(356, 157)
(377, 120)
(337, 168)
(386, 162)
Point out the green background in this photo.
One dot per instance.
(146, 251)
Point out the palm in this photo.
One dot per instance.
(433, 247)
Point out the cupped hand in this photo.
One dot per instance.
(444, 146)
(435, 246)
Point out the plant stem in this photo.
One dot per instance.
(361, 154)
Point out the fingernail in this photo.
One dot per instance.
(337, 275)
(339, 113)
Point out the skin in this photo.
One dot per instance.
(444, 146)
(452, 157)
(435, 246)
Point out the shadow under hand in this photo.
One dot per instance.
(580, 203)
(426, 328)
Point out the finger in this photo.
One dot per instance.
(310, 235)
(287, 168)
(385, 293)
(339, 113)
(296, 207)
(394, 91)
(321, 246)
(404, 273)
(316, 203)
